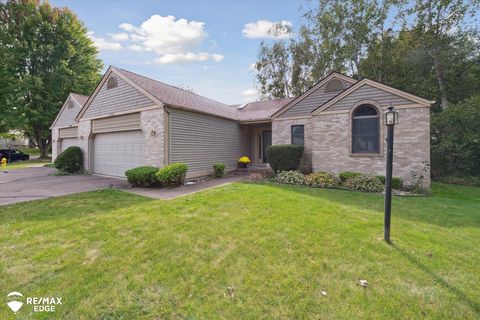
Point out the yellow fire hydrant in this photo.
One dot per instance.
(4, 162)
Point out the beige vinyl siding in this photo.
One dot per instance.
(67, 117)
(118, 123)
(68, 132)
(200, 141)
(120, 99)
(367, 92)
(311, 102)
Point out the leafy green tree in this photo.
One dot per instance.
(46, 54)
(456, 140)
(434, 21)
(336, 36)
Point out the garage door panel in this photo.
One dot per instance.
(68, 142)
(116, 152)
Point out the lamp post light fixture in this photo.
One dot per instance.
(391, 119)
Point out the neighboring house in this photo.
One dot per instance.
(130, 120)
(14, 138)
(65, 127)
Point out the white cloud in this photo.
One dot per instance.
(249, 92)
(122, 36)
(173, 40)
(187, 57)
(103, 44)
(252, 66)
(268, 29)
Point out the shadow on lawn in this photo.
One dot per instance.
(475, 306)
(439, 209)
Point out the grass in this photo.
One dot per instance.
(24, 164)
(245, 251)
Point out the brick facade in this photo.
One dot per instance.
(281, 134)
(331, 143)
(152, 124)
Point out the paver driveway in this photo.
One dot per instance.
(37, 183)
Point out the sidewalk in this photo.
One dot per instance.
(167, 194)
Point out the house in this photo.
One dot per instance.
(131, 120)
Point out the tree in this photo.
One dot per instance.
(334, 37)
(456, 140)
(434, 20)
(46, 54)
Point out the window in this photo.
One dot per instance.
(365, 130)
(298, 135)
(111, 83)
(70, 104)
(334, 85)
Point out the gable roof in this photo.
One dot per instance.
(377, 85)
(80, 100)
(312, 89)
(262, 110)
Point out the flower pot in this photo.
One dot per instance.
(242, 165)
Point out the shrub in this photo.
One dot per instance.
(142, 176)
(321, 180)
(344, 176)
(219, 170)
(289, 177)
(70, 160)
(397, 183)
(284, 157)
(172, 175)
(364, 183)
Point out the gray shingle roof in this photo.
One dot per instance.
(80, 98)
(174, 96)
(262, 110)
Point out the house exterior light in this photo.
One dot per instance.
(391, 116)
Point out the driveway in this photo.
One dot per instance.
(36, 183)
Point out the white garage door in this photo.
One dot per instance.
(68, 142)
(116, 152)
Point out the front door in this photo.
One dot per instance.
(266, 141)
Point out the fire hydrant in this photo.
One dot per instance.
(4, 162)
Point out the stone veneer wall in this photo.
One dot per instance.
(55, 143)
(153, 121)
(331, 142)
(281, 134)
(84, 135)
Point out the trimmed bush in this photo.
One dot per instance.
(344, 176)
(70, 160)
(172, 175)
(219, 169)
(397, 183)
(364, 183)
(289, 177)
(321, 180)
(284, 157)
(142, 176)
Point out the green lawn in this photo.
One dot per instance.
(245, 251)
(25, 164)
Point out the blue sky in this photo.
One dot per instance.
(208, 51)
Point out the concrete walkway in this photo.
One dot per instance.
(184, 190)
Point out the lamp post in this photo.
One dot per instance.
(391, 119)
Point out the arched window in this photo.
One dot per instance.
(70, 104)
(334, 85)
(111, 83)
(365, 130)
